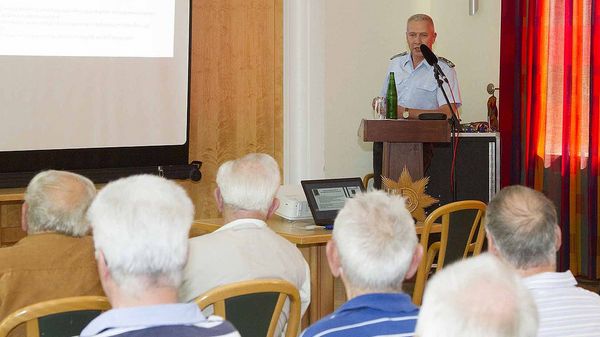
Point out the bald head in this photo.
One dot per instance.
(479, 296)
(57, 201)
(522, 227)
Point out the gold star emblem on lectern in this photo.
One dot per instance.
(414, 192)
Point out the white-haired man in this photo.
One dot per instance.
(245, 248)
(56, 258)
(522, 228)
(141, 226)
(373, 249)
(480, 296)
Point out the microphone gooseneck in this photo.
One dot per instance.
(454, 121)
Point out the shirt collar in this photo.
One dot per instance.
(243, 223)
(550, 280)
(407, 63)
(392, 302)
(144, 317)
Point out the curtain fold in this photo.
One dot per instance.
(549, 115)
(593, 191)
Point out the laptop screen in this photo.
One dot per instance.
(326, 197)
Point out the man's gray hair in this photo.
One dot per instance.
(57, 201)
(479, 296)
(376, 239)
(522, 224)
(250, 182)
(420, 17)
(141, 224)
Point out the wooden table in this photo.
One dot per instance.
(10, 215)
(312, 245)
(12, 194)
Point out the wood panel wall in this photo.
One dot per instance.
(236, 87)
(236, 93)
(10, 223)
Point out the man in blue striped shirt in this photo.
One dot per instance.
(373, 249)
(141, 226)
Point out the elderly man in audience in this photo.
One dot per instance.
(56, 259)
(522, 228)
(373, 249)
(245, 248)
(480, 296)
(141, 226)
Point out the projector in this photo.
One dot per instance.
(292, 203)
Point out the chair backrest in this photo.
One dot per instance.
(254, 306)
(437, 249)
(368, 177)
(59, 317)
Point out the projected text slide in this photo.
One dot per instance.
(111, 28)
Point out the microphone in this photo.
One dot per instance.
(437, 71)
(431, 59)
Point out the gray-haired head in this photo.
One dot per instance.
(479, 296)
(57, 201)
(376, 239)
(249, 183)
(420, 17)
(141, 226)
(522, 224)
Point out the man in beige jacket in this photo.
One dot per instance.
(56, 258)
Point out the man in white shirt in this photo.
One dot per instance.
(245, 248)
(522, 228)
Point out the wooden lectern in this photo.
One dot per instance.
(403, 142)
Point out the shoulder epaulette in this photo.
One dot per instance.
(398, 55)
(448, 62)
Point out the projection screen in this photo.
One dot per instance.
(93, 84)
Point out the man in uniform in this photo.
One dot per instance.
(417, 88)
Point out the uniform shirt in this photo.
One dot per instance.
(369, 315)
(564, 309)
(417, 88)
(169, 320)
(244, 249)
(46, 266)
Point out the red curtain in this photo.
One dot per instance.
(549, 115)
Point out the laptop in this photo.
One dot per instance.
(326, 197)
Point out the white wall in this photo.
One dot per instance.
(473, 44)
(355, 39)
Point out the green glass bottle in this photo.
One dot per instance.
(391, 99)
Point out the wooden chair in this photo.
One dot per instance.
(254, 306)
(438, 249)
(59, 317)
(366, 180)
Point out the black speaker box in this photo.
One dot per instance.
(476, 168)
(477, 177)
